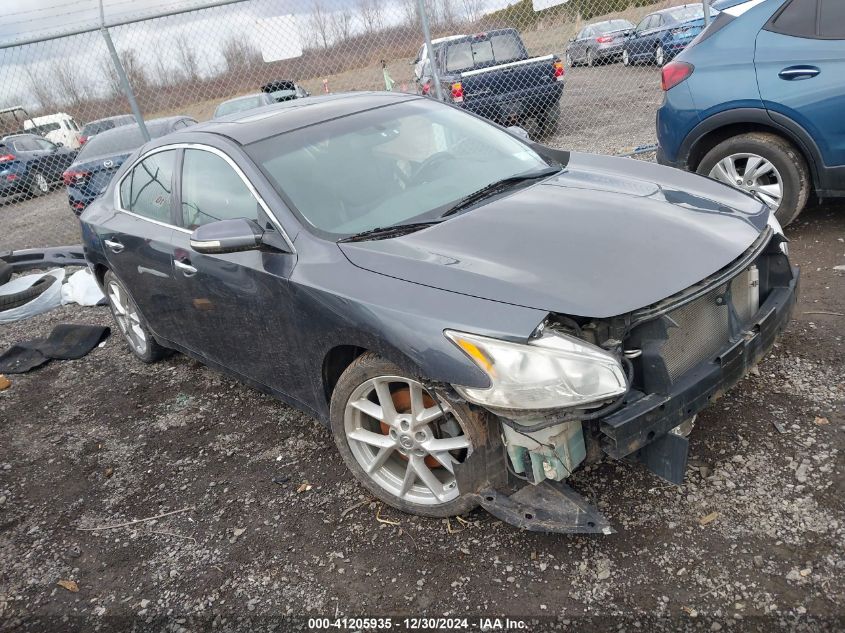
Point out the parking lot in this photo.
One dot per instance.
(268, 524)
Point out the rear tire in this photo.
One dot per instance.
(38, 184)
(591, 58)
(130, 322)
(787, 160)
(548, 120)
(626, 58)
(365, 440)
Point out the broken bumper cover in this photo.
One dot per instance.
(648, 417)
(640, 430)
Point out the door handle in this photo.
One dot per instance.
(793, 73)
(114, 246)
(187, 269)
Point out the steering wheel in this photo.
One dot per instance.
(428, 164)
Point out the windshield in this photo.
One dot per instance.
(613, 25)
(91, 129)
(121, 140)
(393, 165)
(239, 105)
(496, 49)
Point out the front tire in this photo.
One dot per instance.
(400, 440)
(626, 58)
(130, 322)
(591, 58)
(766, 165)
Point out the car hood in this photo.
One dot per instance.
(604, 237)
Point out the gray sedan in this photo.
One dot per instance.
(472, 315)
(598, 43)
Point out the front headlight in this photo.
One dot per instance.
(551, 372)
(778, 229)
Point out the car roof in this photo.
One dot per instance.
(679, 6)
(251, 95)
(110, 118)
(12, 137)
(260, 123)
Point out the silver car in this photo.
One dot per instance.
(598, 43)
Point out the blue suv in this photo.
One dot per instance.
(757, 101)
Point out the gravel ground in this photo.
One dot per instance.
(276, 530)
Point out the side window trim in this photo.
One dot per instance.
(177, 200)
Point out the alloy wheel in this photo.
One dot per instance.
(404, 440)
(569, 60)
(590, 57)
(752, 173)
(626, 59)
(659, 55)
(127, 317)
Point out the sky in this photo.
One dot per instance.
(154, 41)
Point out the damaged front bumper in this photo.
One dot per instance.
(644, 430)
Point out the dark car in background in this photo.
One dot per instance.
(598, 43)
(758, 102)
(102, 156)
(492, 75)
(449, 299)
(661, 35)
(284, 90)
(31, 164)
(92, 128)
(240, 104)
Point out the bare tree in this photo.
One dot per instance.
(40, 90)
(371, 14)
(113, 87)
(341, 25)
(187, 60)
(240, 55)
(447, 17)
(70, 83)
(134, 69)
(320, 24)
(473, 10)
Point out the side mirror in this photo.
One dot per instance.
(518, 131)
(227, 236)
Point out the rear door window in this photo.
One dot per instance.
(832, 19)
(798, 19)
(212, 190)
(148, 189)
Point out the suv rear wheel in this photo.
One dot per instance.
(763, 164)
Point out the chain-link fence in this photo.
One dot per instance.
(576, 74)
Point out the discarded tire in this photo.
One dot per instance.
(17, 299)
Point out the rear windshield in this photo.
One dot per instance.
(239, 105)
(613, 25)
(496, 49)
(91, 129)
(689, 12)
(121, 140)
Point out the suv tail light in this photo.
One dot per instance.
(604, 39)
(7, 158)
(73, 176)
(674, 73)
(457, 92)
(558, 69)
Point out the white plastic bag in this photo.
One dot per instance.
(47, 300)
(82, 288)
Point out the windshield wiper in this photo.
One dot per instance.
(385, 232)
(496, 187)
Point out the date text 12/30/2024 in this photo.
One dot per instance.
(417, 624)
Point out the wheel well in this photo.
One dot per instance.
(335, 363)
(100, 273)
(714, 137)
